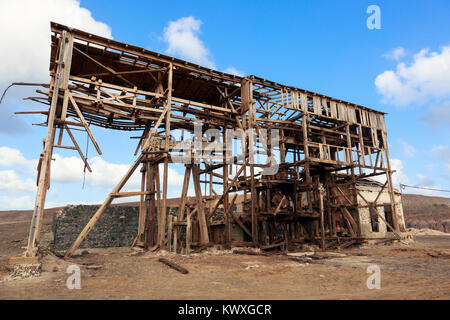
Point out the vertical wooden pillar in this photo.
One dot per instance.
(249, 107)
(163, 214)
(226, 206)
(390, 185)
(306, 167)
(353, 179)
(61, 82)
(142, 206)
(204, 233)
(322, 218)
(151, 229)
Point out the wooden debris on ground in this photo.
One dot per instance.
(173, 266)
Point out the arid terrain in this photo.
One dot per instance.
(427, 212)
(418, 269)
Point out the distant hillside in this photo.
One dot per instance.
(420, 212)
(427, 212)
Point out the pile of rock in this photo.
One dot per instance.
(25, 271)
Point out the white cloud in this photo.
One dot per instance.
(10, 157)
(104, 174)
(408, 150)
(236, 72)
(70, 169)
(25, 35)
(399, 177)
(173, 177)
(427, 77)
(182, 37)
(66, 169)
(11, 182)
(107, 175)
(11, 203)
(395, 53)
(25, 47)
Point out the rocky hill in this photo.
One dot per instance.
(427, 212)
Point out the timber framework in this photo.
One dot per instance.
(322, 148)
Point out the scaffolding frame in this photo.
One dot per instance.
(324, 146)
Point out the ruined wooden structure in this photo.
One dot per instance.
(320, 145)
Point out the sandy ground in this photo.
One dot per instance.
(418, 270)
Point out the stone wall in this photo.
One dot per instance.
(370, 194)
(116, 228)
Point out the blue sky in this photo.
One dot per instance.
(323, 46)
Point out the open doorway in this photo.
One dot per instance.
(374, 222)
(388, 215)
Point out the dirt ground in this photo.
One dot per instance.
(420, 270)
(417, 270)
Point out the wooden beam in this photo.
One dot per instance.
(78, 148)
(60, 81)
(204, 233)
(102, 208)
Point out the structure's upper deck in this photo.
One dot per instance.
(118, 64)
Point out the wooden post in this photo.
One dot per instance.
(188, 233)
(226, 205)
(142, 207)
(322, 219)
(204, 234)
(61, 82)
(102, 208)
(162, 222)
(390, 185)
(249, 107)
(353, 178)
(175, 235)
(184, 192)
(169, 233)
(151, 228)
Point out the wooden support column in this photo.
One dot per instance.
(151, 228)
(163, 214)
(248, 106)
(204, 234)
(142, 208)
(61, 82)
(188, 232)
(226, 204)
(322, 219)
(184, 192)
(391, 186)
(353, 179)
(306, 166)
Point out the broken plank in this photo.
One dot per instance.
(173, 266)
